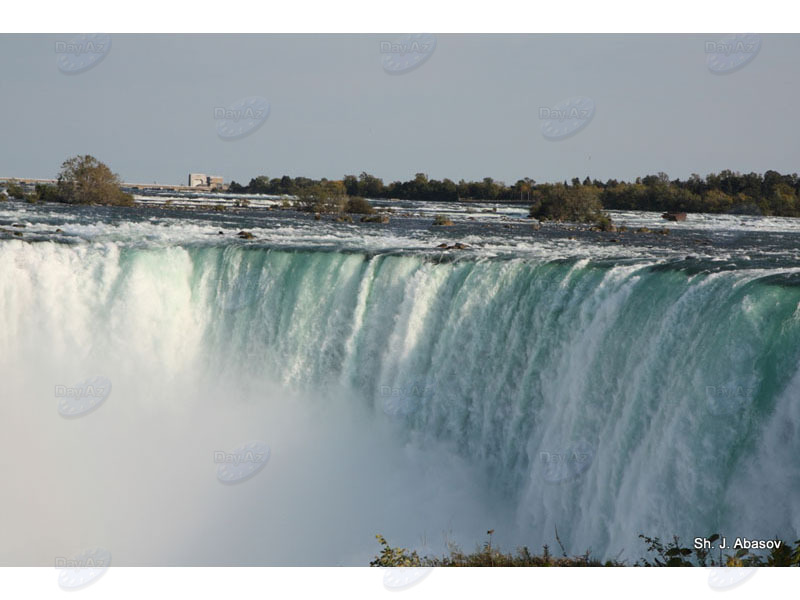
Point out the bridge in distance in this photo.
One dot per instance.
(132, 186)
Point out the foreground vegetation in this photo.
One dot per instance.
(660, 554)
(726, 192)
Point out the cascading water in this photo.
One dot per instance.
(399, 395)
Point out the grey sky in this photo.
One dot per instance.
(471, 110)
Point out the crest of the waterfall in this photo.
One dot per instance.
(242, 276)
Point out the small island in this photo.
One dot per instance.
(81, 180)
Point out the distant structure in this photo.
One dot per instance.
(203, 180)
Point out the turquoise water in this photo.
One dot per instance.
(425, 396)
(606, 400)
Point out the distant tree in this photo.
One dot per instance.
(771, 181)
(744, 205)
(727, 191)
(46, 193)
(369, 186)
(259, 185)
(783, 201)
(86, 180)
(684, 200)
(325, 196)
(491, 189)
(752, 184)
(714, 201)
(285, 185)
(358, 205)
(521, 190)
(448, 190)
(351, 185)
(14, 189)
(624, 196)
(561, 203)
(289, 186)
(695, 184)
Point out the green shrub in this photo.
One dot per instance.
(604, 223)
(442, 220)
(46, 193)
(484, 556)
(580, 204)
(673, 554)
(15, 190)
(358, 205)
(324, 197)
(395, 557)
(670, 554)
(86, 180)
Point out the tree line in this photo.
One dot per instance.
(85, 180)
(771, 193)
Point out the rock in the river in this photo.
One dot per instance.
(375, 219)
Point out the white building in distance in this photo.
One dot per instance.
(203, 180)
